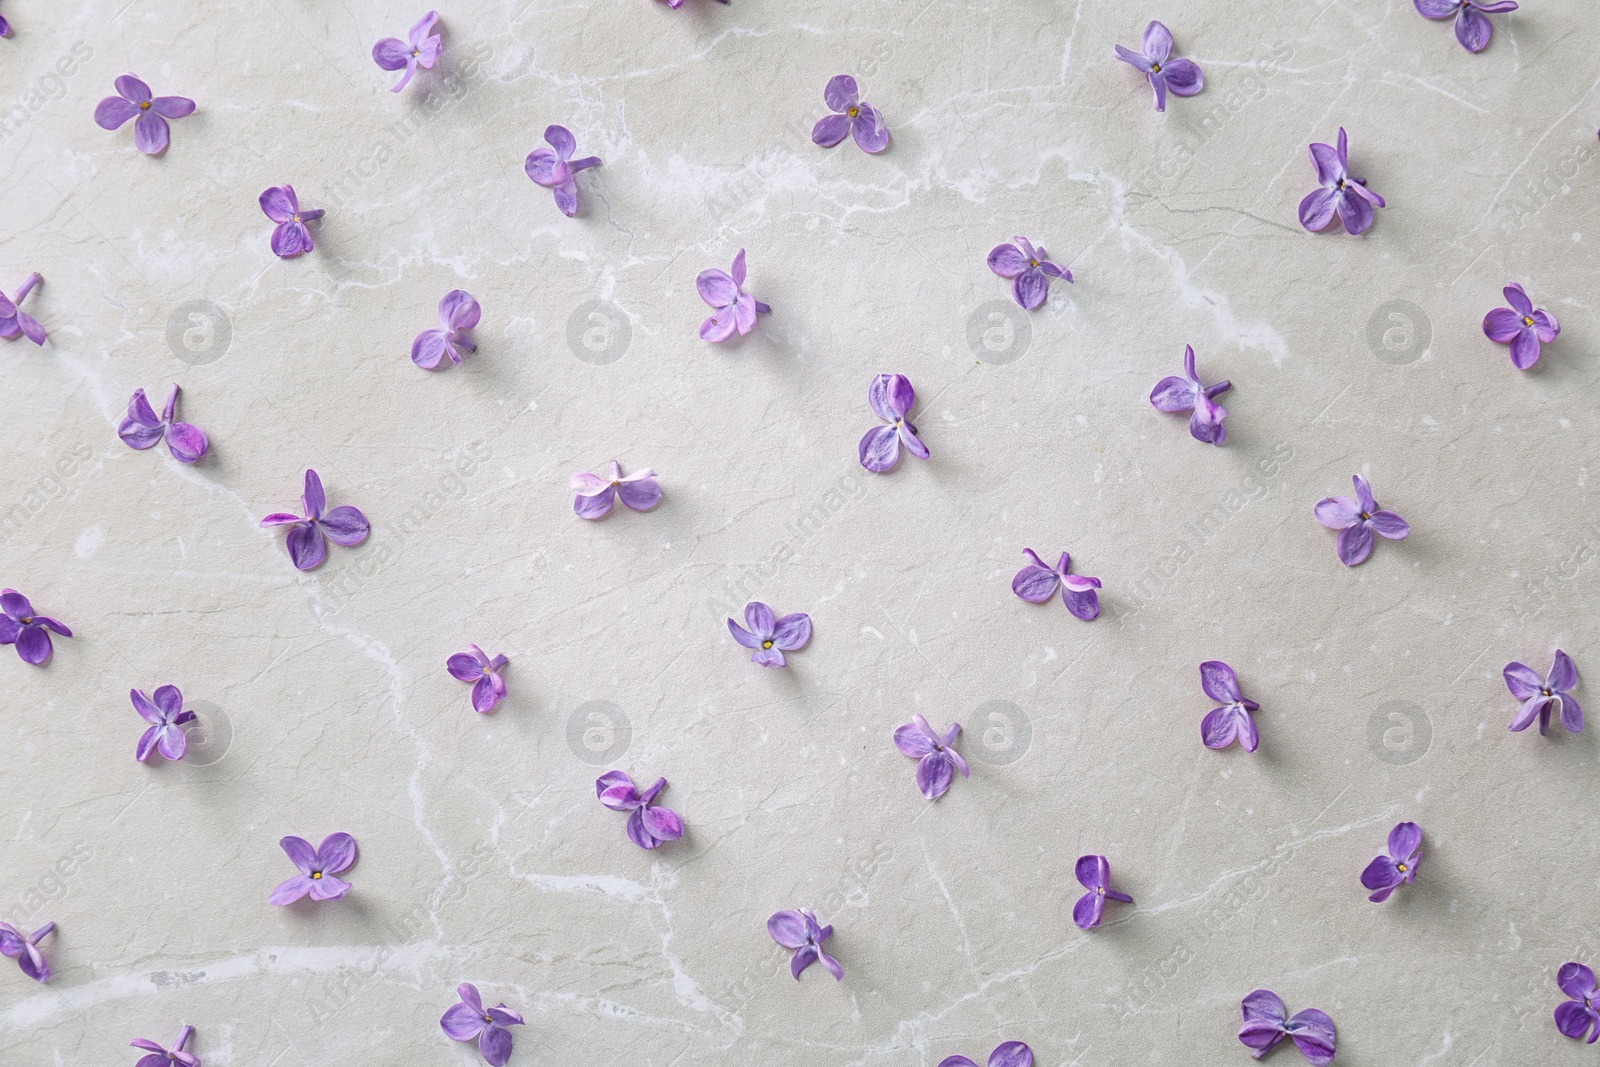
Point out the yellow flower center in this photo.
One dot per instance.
(1526, 321)
(766, 644)
(854, 111)
(1400, 867)
(1155, 68)
(145, 106)
(316, 875)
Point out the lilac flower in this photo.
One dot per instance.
(151, 133)
(317, 868)
(891, 398)
(1357, 520)
(852, 115)
(1173, 393)
(1575, 1017)
(798, 930)
(648, 826)
(290, 237)
(13, 321)
(769, 636)
(29, 632)
(1473, 28)
(1231, 722)
(937, 761)
(1267, 1022)
(470, 1019)
(458, 313)
(1010, 1054)
(736, 309)
(1540, 697)
(309, 536)
(1340, 193)
(141, 429)
(1094, 874)
(391, 53)
(1036, 583)
(554, 169)
(5, 27)
(1030, 270)
(484, 674)
(1385, 874)
(675, 4)
(1182, 76)
(166, 718)
(1520, 326)
(160, 1057)
(24, 948)
(596, 495)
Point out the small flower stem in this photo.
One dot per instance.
(183, 1038)
(27, 287)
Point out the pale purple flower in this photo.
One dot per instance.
(1385, 874)
(166, 717)
(483, 672)
(798, 930)
(1009, 1054)
(458, 313)
(1037, 582)
(937, 760)
(470, 1020)
(1182, 76)
(14, 322)
(290, 237)
(5, 27)
(736, 309)
(1357, 520)
(1231, 722)
(1520, 326)
(421, 49)
(891, 398)
(309, 536)
(852, 116)
(648, 826)
(161, 1057)
(151, 133)
(1541, 696)
(771, 637)
(675, 4)
(1267, 1022)
(597, 495)
(1030, 270)
(1577, 1016)
(24, 948)
(1094, 874)
(141, 429)
(1173, 393)
(1340, 194)
(554, 169)
(29, 632)
(1473, 28)
(317, 868)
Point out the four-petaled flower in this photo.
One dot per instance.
(166, 717)
(1094, 874)
(1030, 270)
(798, 930)
(937, 761)
(14, 322)
(1037, 582)
(597, 495)
(141, 429)
(484, 674)
(736, 309)
(1009, 1054)
(1541, 696)
(290, 237)
(1473, 28)
(1182, 76)
(1173, 393)
(891, 398)
(554, 169)
(24, 948)
(1575, 1017)
(420, 50)
(161, 1057)
(1340, 193)
(151, 133)
(852, 115)
(648, 826)
(1222, 726)
(1385, 874)
(29, 632)
(309, 537)
(1267, 1022)
(317, 868)
(1357, 520)
(1520, 326)
(458, 313)
(470, 1019)
(771, 637)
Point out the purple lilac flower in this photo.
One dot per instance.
(1385, 874)
(1010, 1054)
(1231, 722)
(5, 27)
(1267, 1022)
(29, 632)
(14, 322)
(1357, 520)
(736, 309)
(420, 49)
(891, 398)
(1182, 76)
(151, 133)
(160, 1057)
(470, 1019)
(1340, 193)
(309, 536)
(24, 948)
(771, 637)
(1520, 326)
(596, 495)
(484, 674)
(1173, 393)
(458, 313)
(554, 169)
(852, 115)
(1030, 270)
(290, 237)
(1036, 583)
(675, 4)
(317, 868)
(166, 717)
(648, 826)
(1575, 1017)
(1541, 696)
(1473, 28)
(937, 761)
(798, 930)
(141, 429)
(1094, 874)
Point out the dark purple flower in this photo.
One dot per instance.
(1094, 874)
(1473, 28)
(1520, 326)
(166, 718)
(1267, 1022)
(597, 495)
(151, 133)
(458, 313)
(1575, 1017)
(5, 27)
(891, 398)
(29, 632)
(852, 115)
(736, 309)
(1036, 583)
(937, 761)
(141, 429)
(1010, 1054)
(13, 321)
(648, 826)
(420, 49)
(317, 868)
(798, 930)
(1340, 193)
(1030, 270)
(24, 948)
(484, 674)
(1182, 76)
(470, 1019)
(290, 237)
(160, 1057)
(554, 169)
(1541, 696)
(309, 536)
(1357, 520)
(1173, 393)
(771, 637)
(1222, 726)
(1385, 874)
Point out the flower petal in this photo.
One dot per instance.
(1473, 30)
(1173, 393)
(172, 107)
(934, 774)
(1085, 604)
(346, 525)
(1563, 673)
(841, 92)
(1502, 325)
(1337, 512)
(151, 134)
(879, 449)
(461, 1023)
(541, 166)
(792, 632)
(830, 130)
(188, 444)
(1007, 260)
(1134, 59)
(1389, 525)
(1316, 210)
(788, 928)
(1524, 349)
(760, 619)
(1219, 681)
(1035, 584)
(640, 494)
(869, 130)
(1184, 77)
(1030, 288)
(743, 636)
(1157, 42)
(113, 111)
(1088, 911)
(307, 547)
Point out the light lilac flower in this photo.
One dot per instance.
(420, 50)
(317, 868)
(1231, 722)
(798, 930)
(470, 1020)
(1541, 696)
(1037, 582)
(1575, 1017)
(290, 237)
(14, 322)
(1182, 76)
(1173, 393)
(1385, 874)
(852, 115)
(141, 429)
(160, 1057)
(1009, 1054)
(1030, 270)
(1473, 28)
(675, 4)
(1520, 326)
(1340, 193)
(24, 948)
(1267, 1022)
(151, 133)
(309, 536)
(5, 27)
(29, 632)
(166, 718)
(554, 169)
(891, 398)
(1357, 520)
(1094, 874)
(771, 637)
(458, 313)
(736, 309)
(596, 495)
(483, 672)
(648, 826)
(937, 761)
